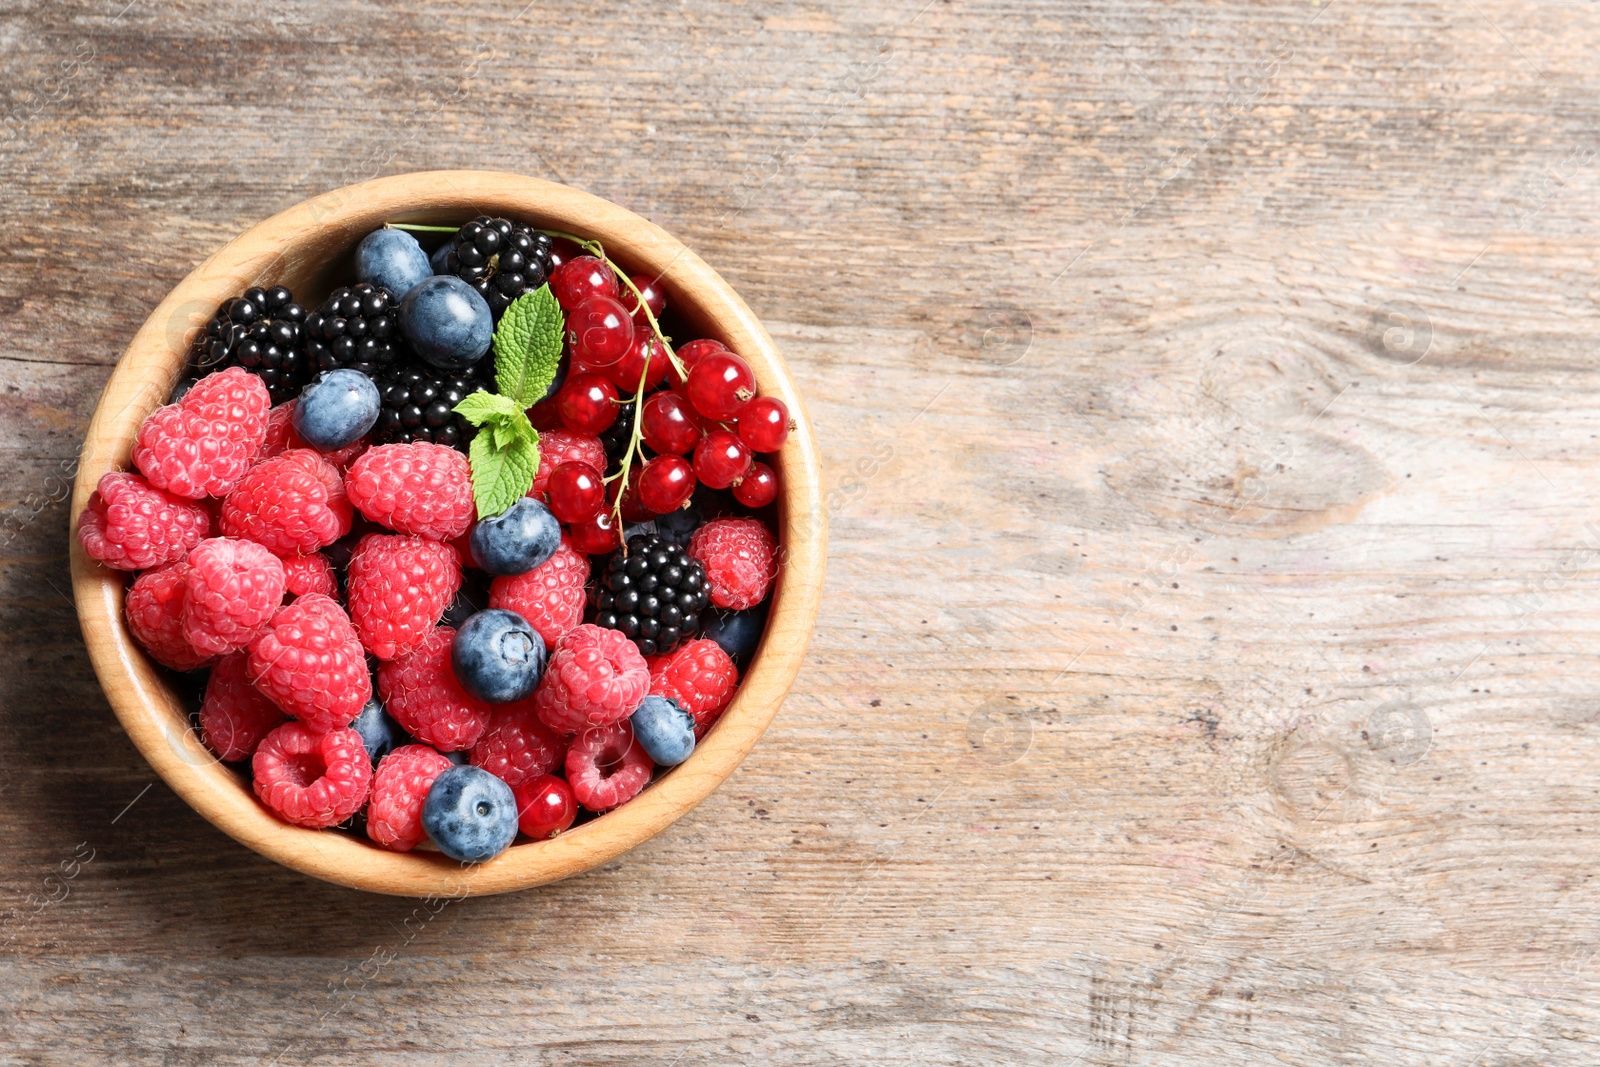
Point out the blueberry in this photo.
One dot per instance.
(470, 814)
(436, 262)
(517, 540)
(664, 730)
(497, 656)
(379, 733)
(680, 524)
(738, 632)
(392, 259)
(458, 758)
(447, 322)
(630, 530)
(336, 409)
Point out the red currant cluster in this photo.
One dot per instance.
(696, 414)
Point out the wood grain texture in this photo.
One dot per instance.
(1207, 401)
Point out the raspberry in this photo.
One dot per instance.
(235, 715)
(420, 488)
(559, 446)
(309, 662)
(281, 437)
(607, 767)
(596, 677)
(203, 444)
(399, 586)
(516, 747)
(551, 596)
(130, 525)
(401, 784)
(310, 574)
(290, 504)
(155, 616)
(312, 778)
(740, 558)
(700, 677)
(231, 590)
(420, 692)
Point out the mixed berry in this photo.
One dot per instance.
(470, 551)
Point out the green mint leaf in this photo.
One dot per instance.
(504, 458)
(527, 346)
(483, 406)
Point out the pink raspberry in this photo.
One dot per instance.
(202, 445)
(309, 574)
(281, 437)
(551, 596)
(398, 588)
(700, 677)
(557, 447)
(311, 778)
(291, 504)
(230, 592)
(309, 662)
(420, 692)
(155, 617)
(607, 767)
(595, 677)
(740, 558)
(235, 715)
(421, 488)
(516, 747)
(401, 784)
(130, 525)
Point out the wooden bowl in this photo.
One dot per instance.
(302, 248)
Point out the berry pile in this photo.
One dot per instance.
(468, 551)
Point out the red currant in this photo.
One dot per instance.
(690, 353)
(666, 484)
(758, 488)
(562, 251)
(545, 806)
(721, 459)
(597, 536)
(599, 332)
(764, 424)
(580, 278)
(645, 356)
(576, 490)
(587, 403)
(720, 384)
(654, 298)
(544, 415)
(670, 425)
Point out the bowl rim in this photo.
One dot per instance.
(153, 715)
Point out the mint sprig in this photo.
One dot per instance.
(504, 455)
(527, 346)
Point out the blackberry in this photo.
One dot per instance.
(263, 331)
(500, 258)
(616, 437)
(357, 327)
(654, 594)
(418, 405)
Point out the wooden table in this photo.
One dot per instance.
(1210, 667)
